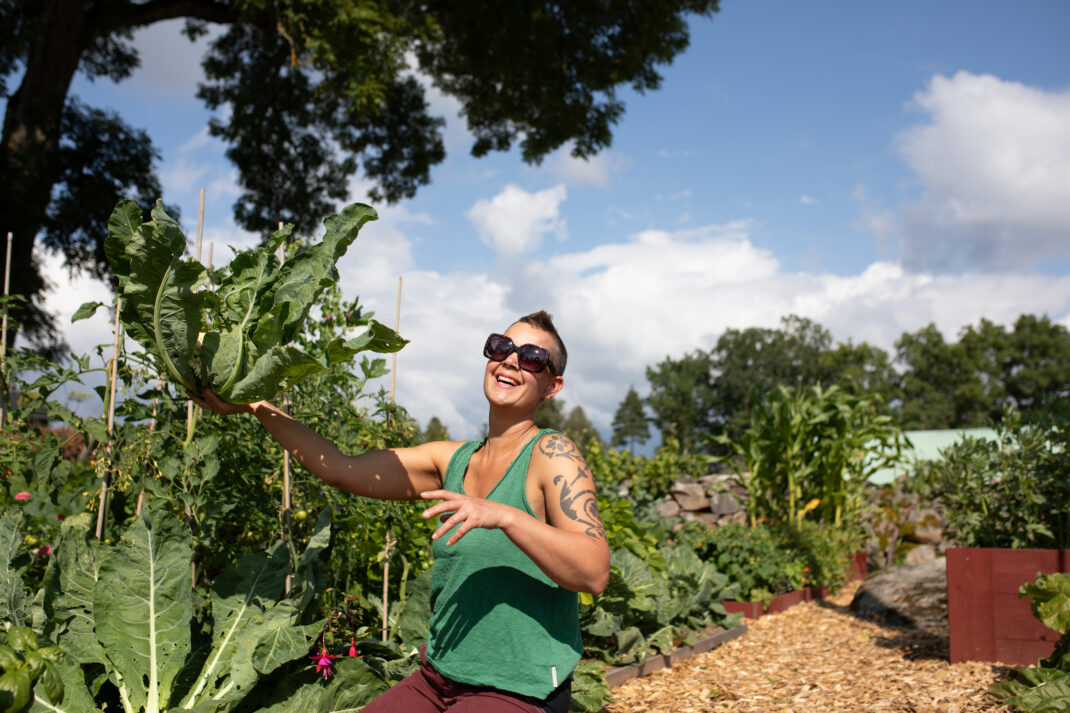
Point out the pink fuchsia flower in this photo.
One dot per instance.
(353, 648)
(23, 495)
(44, 550)
(323, 662)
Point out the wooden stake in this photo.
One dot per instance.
(101, 511)
(287, 514)
(191, 414)
(3, 334)
(397, 328)
(386, 578)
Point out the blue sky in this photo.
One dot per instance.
(873, 166)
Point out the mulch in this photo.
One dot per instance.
(817, 656)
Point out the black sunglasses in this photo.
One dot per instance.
(530, 357)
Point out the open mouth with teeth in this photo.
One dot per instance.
(506, 380)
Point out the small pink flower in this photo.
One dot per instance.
(60, 517)
(323, 662)
(353, 648)
(23, 495)
(44, 550)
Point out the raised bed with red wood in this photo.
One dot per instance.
(987, 621)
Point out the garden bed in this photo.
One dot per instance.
(814, 657)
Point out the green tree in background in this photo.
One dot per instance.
(580, 429)
(551, 414)
(681, 398)
(436, 431)
(313, 92)
(630, 423)
(747, 364)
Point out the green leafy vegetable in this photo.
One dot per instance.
(231, 330)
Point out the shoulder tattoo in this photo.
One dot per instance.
(581, 505)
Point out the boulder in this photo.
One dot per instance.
(706, 518)
(689, 496)
(920, 554)
(914, 596)
(668, 508)
(724, 504)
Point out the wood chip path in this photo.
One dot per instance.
(814, 657)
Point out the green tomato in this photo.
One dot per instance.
(30, 541)
(300, 515)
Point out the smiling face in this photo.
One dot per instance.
(507, 385)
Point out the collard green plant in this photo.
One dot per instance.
(126, 610)
(1044, 688)
(232, 330)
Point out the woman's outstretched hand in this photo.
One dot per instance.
(466, 511)
(208, 400)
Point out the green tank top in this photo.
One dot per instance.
(497, 619)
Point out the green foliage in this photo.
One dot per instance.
(656, 597)
(551, 414)
(150, 658)
(326, 91)
(580, 429)
(436, 431)
(682, 399)
(751, 557)
(629, 422)
(1010, 493)
(1044, 688)
(645, 478)
(812, 451)
(27, 671)
(590, 692)
(236, 338)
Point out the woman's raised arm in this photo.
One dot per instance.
(390, 474)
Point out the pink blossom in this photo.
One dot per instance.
(44, 550)
(323, 662)
(23, 495)
(353, 648)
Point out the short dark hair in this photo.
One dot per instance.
(544, 321)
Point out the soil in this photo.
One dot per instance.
(818, 656)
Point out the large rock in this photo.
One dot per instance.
(724, 504)
(906, 596)
(689, 496)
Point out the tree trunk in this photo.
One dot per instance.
(29, 152)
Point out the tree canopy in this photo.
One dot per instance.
(314, 91)
(930, 384)
(629, 422)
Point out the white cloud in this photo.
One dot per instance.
(595, 170)
(809, 200)
(994, 162)
(170, 63)
(623, 306)
(515, 221)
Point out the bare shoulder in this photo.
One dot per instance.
(438, 452)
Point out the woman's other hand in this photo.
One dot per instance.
(466, 511)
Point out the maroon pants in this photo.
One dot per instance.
(428, 691)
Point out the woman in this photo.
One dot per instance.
(520, 535)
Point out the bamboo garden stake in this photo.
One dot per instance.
(286, 504)
(3, 335)
(102, 510)
(389, 529)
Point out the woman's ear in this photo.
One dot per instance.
(556, 385)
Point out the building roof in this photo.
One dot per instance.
(927, 446)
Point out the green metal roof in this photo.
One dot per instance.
(927, 446)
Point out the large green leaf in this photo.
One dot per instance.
(144, 587)
(72, 576)
(14, 599)
(239, 595)
(353, 685)
(236, 338)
